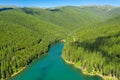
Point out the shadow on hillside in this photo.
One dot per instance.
(3, 9)
(95, 45)
(28, 11)
(55, 10)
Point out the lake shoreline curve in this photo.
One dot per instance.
(23, 68)
(84, 71)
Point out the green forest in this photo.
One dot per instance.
(23, 38)
(96, 48)
(91, 34)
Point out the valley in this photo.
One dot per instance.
(91, 36)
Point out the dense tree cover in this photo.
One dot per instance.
(26, 34)
(72, 18)
(97, 48)
(23, 38)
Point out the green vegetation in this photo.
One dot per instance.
(92, 37)
(23, 38)
(96, 48)
(71, 18)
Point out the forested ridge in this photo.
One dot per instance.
(96, 49)
(72, 18)
(23, 38)
(26, 34)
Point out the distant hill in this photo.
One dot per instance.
(71, 17)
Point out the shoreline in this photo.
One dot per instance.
(84, 71)
(23, 68)
(19, 71)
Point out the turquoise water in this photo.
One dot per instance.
(53, 67)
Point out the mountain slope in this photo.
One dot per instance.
(72, 18)
(96, 48)
(23, 39)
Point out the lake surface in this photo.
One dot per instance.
(53, 67)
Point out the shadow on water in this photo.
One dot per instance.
(44, 70)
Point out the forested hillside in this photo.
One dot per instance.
(92, 36)
(71, 18)
(96, 49)
(23, 38)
